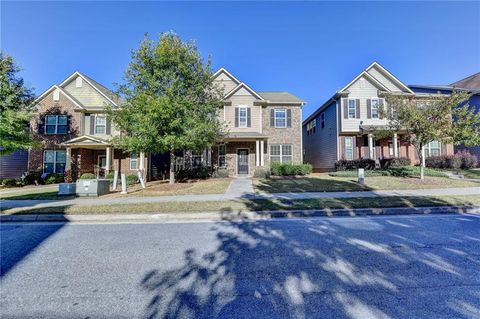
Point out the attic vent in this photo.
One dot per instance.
(78, 82)
(56, 95)
(362, 83)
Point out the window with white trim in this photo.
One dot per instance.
(352, 109)
(281, 153)
(280, 118)
(54, 161)
(349, 148)
(196, 158)
(242, 117)
(56, 124)
(311, 127)
(222, 150)
(100, 124)
(133, 161)
(374, 103)
(433, 149)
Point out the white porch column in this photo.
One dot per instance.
(257, 153)
(68, 154)
(395, 145)
(108, 159)
(262, 161)
(370, 146)
(142, 161)
(423, 156)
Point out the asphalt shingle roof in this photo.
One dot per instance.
(280, 97)
(472, 82)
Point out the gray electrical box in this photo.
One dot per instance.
(92, 187)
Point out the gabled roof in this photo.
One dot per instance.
(471, 82)
(391, 76)
(86, 138)
(370, 77)
(223, 70)
(246, 87)
(53, 87)
(106, 93)
(280, 97)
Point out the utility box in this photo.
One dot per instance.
(66, 189)
(92, 187)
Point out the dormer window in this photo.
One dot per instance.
(78, 82)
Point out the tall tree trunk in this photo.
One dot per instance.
(172, 168)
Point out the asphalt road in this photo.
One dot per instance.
(373, 267)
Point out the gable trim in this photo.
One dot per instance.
(390, 75)
(85, 137)
(50, 89)
(76, 73)
(243, 85)
(223, 70)
(367, 75)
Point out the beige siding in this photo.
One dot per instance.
(243, 98)
(391, 85)
(361, 89)
(225, 82)
(86, 95)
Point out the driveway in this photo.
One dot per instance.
(380, 267)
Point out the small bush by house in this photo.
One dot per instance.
(468, 160)
(395, 162)
(32, 178)
(54, 179)
(131, 179)
(343, 165)
(289, 169)
(193, 173)
(443, 162)
(220, 173)
(9, 182)
(261, 173)
(88, 176)
(404, 171)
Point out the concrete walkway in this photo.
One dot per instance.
(240, 186)
(235, 196)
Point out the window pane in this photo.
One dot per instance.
(48, 168)
(100, 130)
(348, 142)
(286, 149)
(274, 149)
(275, 158)
(349, 154)
(286, 159)
(51, 119)
(100, 120)
(62, 119)
(243, 111)
(280, 118)
(351, 108)
(221, 161)
(60, 168)
(62, 129)
(50, 129)
(221, 149)
(49, 156)
(61, 156)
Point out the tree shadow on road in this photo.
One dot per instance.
(364, 267)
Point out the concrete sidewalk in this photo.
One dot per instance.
(235, 196)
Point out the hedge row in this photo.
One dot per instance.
(289, 169)
(463, 160)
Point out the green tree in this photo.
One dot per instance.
(171, 100)
(430, 119)
(15, 108)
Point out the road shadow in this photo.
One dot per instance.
(317, 268)
(19, 239)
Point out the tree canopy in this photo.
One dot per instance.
(15, 108)
(171, 102)
(444, 118)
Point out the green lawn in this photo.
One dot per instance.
(470, 173)
(253, 205)
(32, 192)
(326, 183)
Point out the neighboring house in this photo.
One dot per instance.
(13, 165)
(70, 123)
(344, 126)
(470, 84)
(261, 127)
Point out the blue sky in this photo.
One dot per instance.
(310, 49)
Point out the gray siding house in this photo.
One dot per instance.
(13, 165)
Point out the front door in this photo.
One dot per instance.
(242, 161)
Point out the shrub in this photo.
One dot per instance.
(88, 176)
(468, 160)
(354, 173)
(131, 179)
(289, 169)
(54, 179)
(261, 173)
(395, 162)
(443, 161)
(31, 178)
(365, 163)
(193, 173)
(68, 176)
(109, 176)
(9, 182)
(220, 173)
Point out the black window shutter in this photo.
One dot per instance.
(236, 117)
(41, 125)
(272, 118)
(357, 102)
(92, 125)
(380, 107)
(289, 118)
(108, 128)
(369, 108)
(345, 108)
(249, 122)
(69, 121)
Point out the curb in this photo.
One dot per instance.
(243, 215)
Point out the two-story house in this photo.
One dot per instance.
(344, 126)
(262, 127)
(75, 133)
